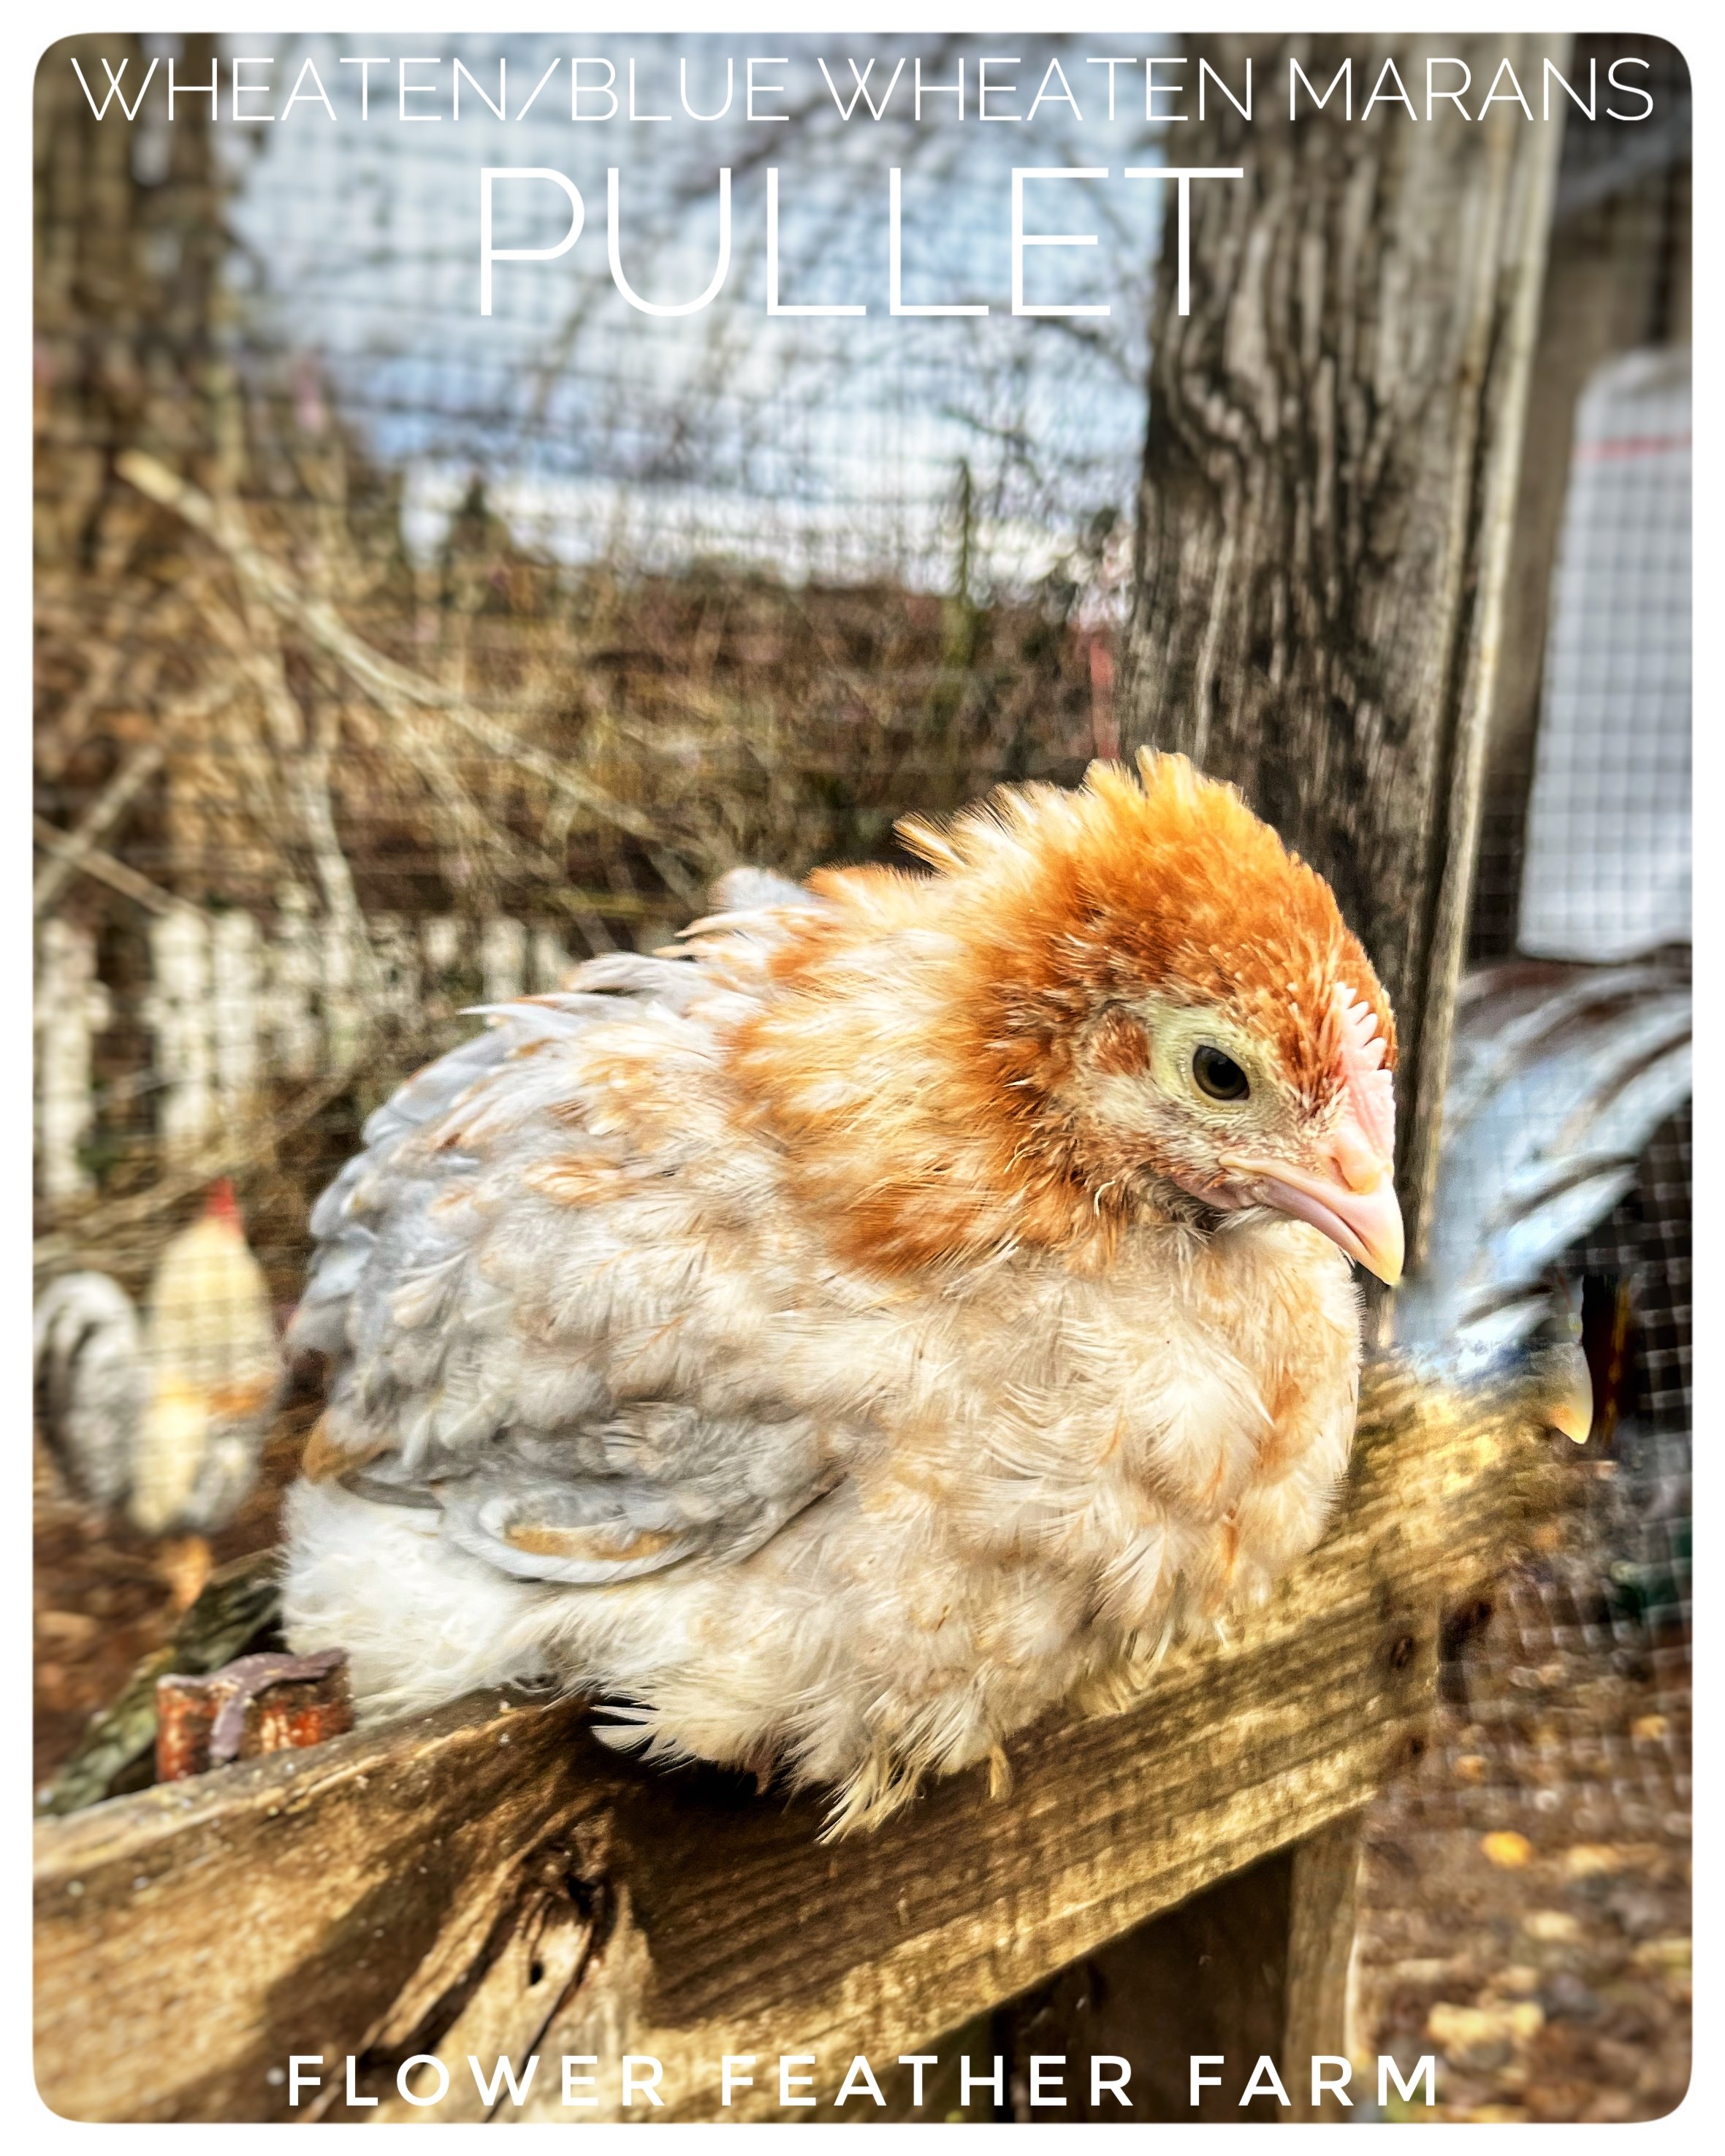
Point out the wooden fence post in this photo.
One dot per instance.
(294, 971)
(1321, 1890)
(71, 1007)
(1326, 513)
(228, 1006)
(1329, 480)
(503, 959)
(177, 1010)
(235, 980)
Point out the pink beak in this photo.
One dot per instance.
(1351, 1200)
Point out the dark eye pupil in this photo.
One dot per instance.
(1220, 1076)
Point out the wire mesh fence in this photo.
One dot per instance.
(390, 659)
(1526, 1897)
(622, 601)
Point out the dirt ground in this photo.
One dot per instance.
(1526, 1901)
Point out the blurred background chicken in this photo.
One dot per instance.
(1572, 1055)
(162, 1416)
(1561, 1074)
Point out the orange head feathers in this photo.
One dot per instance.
(1124, 1001)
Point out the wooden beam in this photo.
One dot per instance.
(1321, 1895)
(493, 1876)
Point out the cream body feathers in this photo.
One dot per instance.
(210, 1341)
(617, 1402)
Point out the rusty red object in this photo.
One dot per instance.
(260, 1703)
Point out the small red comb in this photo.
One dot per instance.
(1371, 1091)
(220, 1203)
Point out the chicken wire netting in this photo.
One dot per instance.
(1526, 1896)
(392, 658)
(480, 647)
(622, 602)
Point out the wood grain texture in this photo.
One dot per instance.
(1322, 1896)
(1327, 502)
(1206, 1980)
(493, 1876)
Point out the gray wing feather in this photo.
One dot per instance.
(472, 1326)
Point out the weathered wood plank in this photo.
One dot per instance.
(277, 1906)
(1255, 1967)
(373, 1897)
(1206, 1980)
(1322, 1896)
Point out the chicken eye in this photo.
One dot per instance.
(1219, 1075)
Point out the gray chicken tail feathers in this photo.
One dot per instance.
(92, 1386)
(1561, 1075)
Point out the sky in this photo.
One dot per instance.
(818, 447)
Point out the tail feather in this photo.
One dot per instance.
(92, 1384)
(1561, 1076)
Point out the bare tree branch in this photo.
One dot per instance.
(109, 806)
(94, 862)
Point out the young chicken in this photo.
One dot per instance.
(892, 1315)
